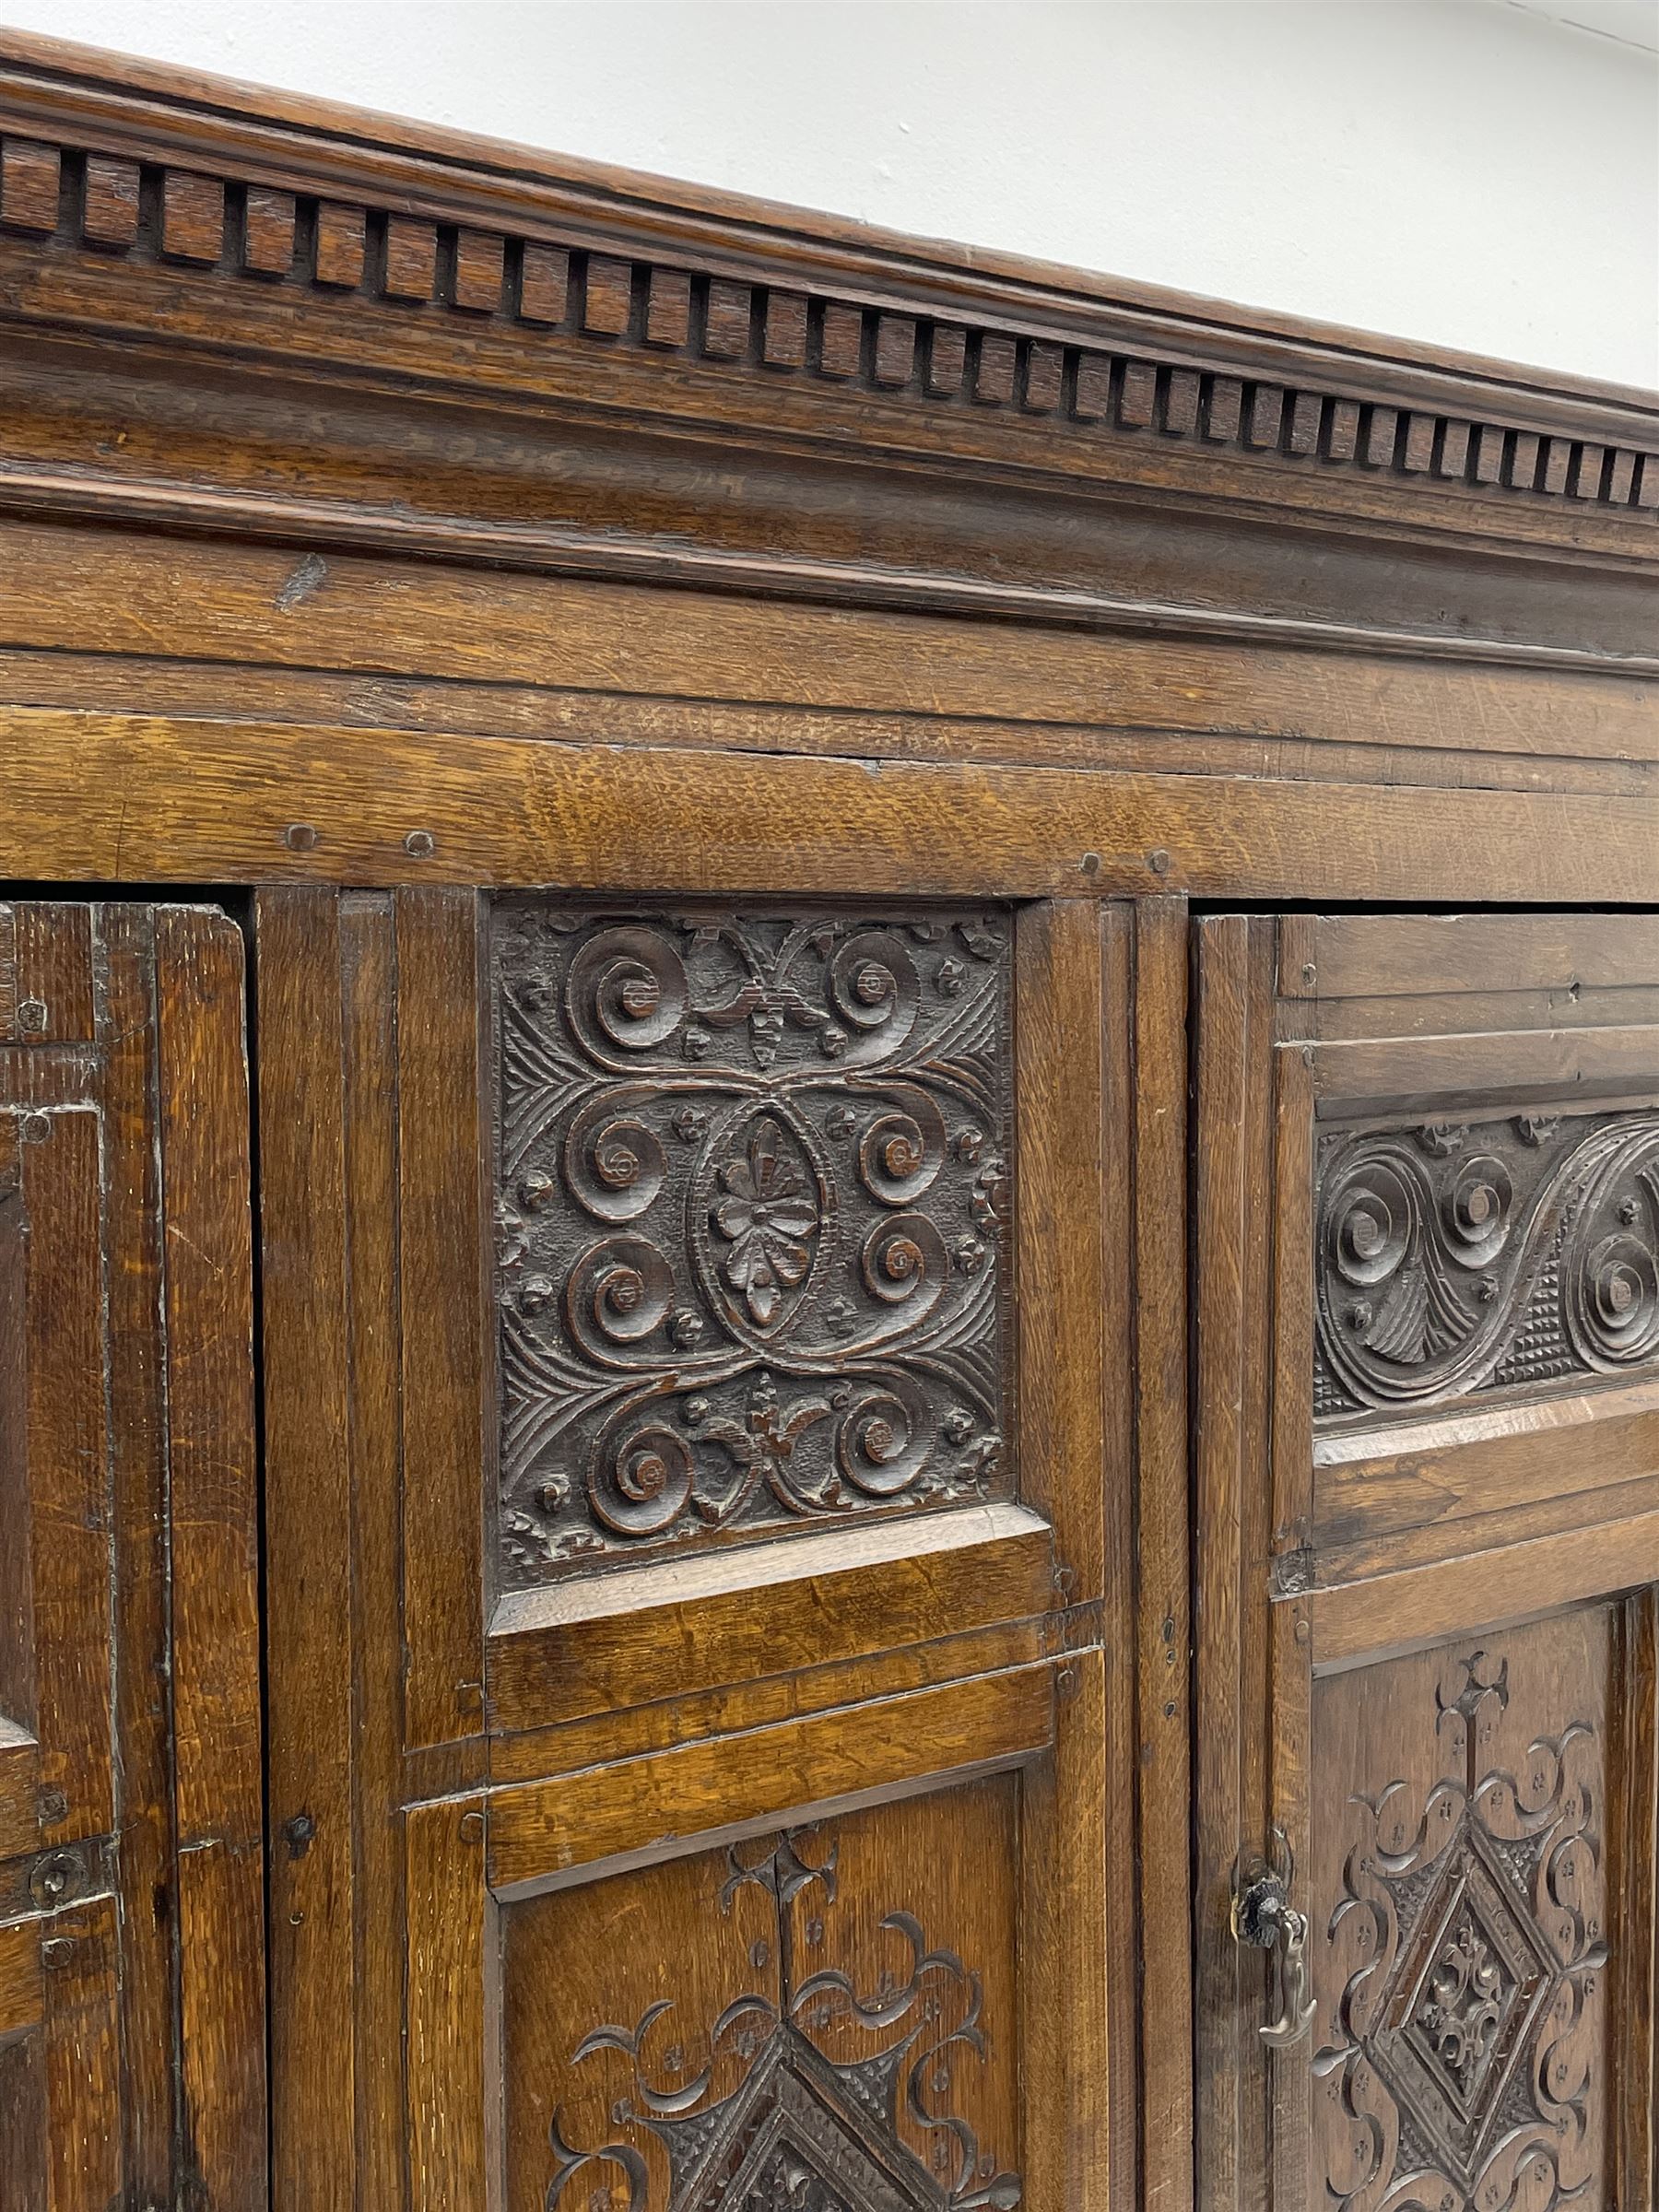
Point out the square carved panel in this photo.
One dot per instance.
(752, 1197)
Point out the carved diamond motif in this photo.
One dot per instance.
(1465, 1998)
(1470, 1929)
(797, 2141)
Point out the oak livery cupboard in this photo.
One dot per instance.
(829, 1212)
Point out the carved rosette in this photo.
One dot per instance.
(1455, 1258)
(1461, 2060)
(801, 2103)
(752, 1199)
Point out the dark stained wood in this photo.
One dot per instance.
(68, 1469)
(1230, 1746)
(836, 1377)
(1427, 1742)
(793, 1928)
(1061, 987)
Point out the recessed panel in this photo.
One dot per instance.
(821, 2017)
(753, 1190)
(1457, 1258)
(1462, 1947)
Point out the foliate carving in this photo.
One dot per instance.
(752, 1197)
(803, 2129)
(1458, 1257)
(1463, 2058)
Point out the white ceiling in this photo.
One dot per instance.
(1631, 22)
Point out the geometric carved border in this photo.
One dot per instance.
(752, 1205)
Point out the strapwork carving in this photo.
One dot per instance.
(805, 2127)
(1462, 2058)
(752, 1199)
(1456, 1258)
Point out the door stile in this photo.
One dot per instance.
(133, 1167)
(309, 1550)
(373, 1295)
(1291, 1461)
(1232, 1160)
(1162, 1552)
(213, 1520)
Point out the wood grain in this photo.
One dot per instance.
(68, 1469)
(571, 657)
(21, 2004)
(597, 1646)
(368, 956)
(440, 1269)
(214, 1548)
(308, 1550)
(454, 2090)
(174, 800)
(1163, 1604)
(147, 1867)
(1062, 1271)
(542, 1831)
(390, 520)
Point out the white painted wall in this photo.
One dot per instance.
(1467, 172)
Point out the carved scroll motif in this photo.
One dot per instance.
(805, 2128)
(752, 1197)
(1456, 1258)
(1462, 2063)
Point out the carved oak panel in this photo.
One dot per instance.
(1461, 2058)
(752, 1200)
(1456, 1258)
(820, 2020)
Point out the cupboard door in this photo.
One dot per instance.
(1426, 1221)
(701, 1478)
(132, 1986)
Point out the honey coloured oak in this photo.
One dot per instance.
(132, 2040)
(829, 1344)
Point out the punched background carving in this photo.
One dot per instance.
(1459, 1257)
(752, 1205)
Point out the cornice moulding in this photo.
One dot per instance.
(210, 215)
